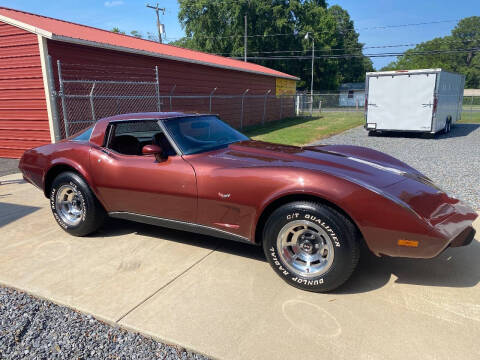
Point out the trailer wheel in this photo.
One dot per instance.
(448, 126)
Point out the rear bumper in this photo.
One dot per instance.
(373, 127)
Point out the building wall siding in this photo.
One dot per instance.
(23, 111)
(188, 79)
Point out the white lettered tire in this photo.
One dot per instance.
(74, 206)
(311, 246)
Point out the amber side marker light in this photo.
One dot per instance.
(409, 243)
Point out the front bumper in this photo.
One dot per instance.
(464, 238)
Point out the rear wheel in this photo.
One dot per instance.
(74, 206)
(311, 246)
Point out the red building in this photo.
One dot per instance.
(27, 78)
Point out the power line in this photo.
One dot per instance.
(323, 50)
(406, 25)
(349, 48)
(339, 56)
(297, 33)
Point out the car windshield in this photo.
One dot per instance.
(196, 134)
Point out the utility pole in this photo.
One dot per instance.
(313, 57)
(159, 25)
(307, 36)
(245, 40)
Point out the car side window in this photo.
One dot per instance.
(129, 137)
(84, 135)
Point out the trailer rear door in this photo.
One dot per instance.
(401, 102)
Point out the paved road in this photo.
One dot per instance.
(222, 299)
(452, 160)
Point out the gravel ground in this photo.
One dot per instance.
(8, 166)
(31, 328)
(451, 160)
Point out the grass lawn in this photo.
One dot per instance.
(304, 130)
(470, 117)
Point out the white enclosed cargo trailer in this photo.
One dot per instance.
(428, 100)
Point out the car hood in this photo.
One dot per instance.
(356, 163)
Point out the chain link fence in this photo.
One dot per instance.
(320, 104)
(314, 104)
(87, 93)
(471, 109)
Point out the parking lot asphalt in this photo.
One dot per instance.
(222, 298)
(451, 160)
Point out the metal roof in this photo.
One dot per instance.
(61, 30)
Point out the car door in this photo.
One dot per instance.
(139, 184)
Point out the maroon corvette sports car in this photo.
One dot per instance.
(311, 208)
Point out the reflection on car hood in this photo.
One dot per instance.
(350, 162)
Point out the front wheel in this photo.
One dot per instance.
(74, 206)
(311, 246)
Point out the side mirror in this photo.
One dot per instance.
(153, 150)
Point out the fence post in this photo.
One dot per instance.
(53, 103)
(157, 89)
(171, 94)
(265, 105)
(92, 106)
(62, 95)
(311, 104)
(319, 106)
(297, 105)
(210, 104)
(241, 114)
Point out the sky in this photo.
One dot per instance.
(367, 15)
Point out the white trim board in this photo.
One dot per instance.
(47, 76)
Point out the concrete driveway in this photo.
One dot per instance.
(222, 299)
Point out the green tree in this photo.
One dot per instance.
(134, 33)
(465, 35)
(218, 27)
(118, 31)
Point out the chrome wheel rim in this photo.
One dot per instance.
(68, 205)
(305, 248)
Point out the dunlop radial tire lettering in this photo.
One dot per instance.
(311, 246)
